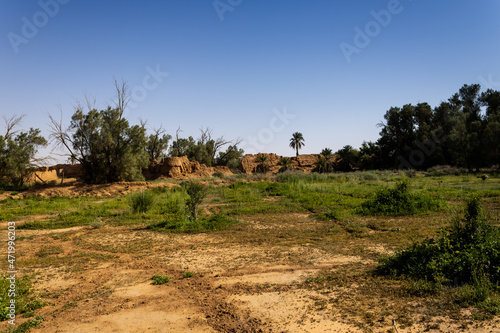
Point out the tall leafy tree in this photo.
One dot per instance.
(17, 152)
(157, 144)
(108, 148)
(297, 142)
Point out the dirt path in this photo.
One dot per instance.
(99, 280)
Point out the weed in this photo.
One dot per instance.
(160, 279)
(24, 299)
(142, 202)
(187, 275)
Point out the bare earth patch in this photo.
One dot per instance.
(102, 281)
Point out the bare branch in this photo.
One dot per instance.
(122, 95)
(60, 136)
(11, 123)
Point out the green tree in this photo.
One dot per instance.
(197, 192)
(104, 143)
(296, 142)
(231, 157)
(285, 163)
(348, 158)
(327, 153)
(262, 159)
(157, 144)
(17, 152)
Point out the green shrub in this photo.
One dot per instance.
(466, 252)
(218, 174)
(160, 279)
(398, 201)
(142, 202)
(197, 192)
(187, 275)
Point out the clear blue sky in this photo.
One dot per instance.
(234, 64)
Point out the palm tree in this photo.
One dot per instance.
(296, 142)
(262, 160)
(285, 163)
(327, 153)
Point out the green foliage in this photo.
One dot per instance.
(218, 174)
(157, 144)
(297, 142)
(327, 153)
(322, 165)
(230, 158)
(466, 252)
(107, 147)
(196, 192)
(398, 201)
(187, 275)
(28, 325)
(142, 202)
(285, 163)
(160, 279)
(25, 301)
(262, 167)
(16, 157)
(210, 223)
(348, 159)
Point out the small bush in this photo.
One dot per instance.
(218, 174)
(197, 192)
(187, 275)
(398, 201)
(160, 279)
(335, 215)
(142, 202)
(466, 252)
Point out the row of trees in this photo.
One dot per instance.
(463, 131)
(110, 149)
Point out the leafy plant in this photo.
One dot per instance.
(398, 201)
(160, 279)
(296, 142)
(142, 202)
(465, 252)
(285, 163)
(187, 275)
(197, 192)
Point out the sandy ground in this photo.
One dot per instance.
(101, 281)
(234, 288)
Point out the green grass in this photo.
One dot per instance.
(284, 193)
(25, 301)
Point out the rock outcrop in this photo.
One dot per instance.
(302, 162)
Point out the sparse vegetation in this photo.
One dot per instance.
(159, 279)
